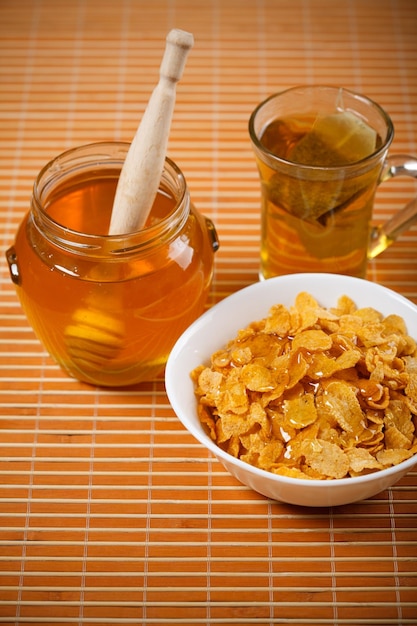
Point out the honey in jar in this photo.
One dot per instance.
(109, 308)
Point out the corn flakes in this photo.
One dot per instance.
(314, 393)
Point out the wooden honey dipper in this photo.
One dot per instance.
(141, 174)
(94, 337)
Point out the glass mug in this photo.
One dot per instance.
(109, 308)
(321, 153)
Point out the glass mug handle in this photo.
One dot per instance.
(385, 234)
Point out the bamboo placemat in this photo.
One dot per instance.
(110, 512)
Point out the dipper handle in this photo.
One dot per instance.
(142, 170)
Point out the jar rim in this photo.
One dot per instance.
(89, 157)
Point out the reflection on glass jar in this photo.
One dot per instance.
(109, 308)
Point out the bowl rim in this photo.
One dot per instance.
(197, 429)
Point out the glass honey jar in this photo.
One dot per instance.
(107, 308)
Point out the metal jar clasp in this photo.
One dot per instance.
(215, 243)
(11, 257)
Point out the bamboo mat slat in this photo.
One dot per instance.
(110, 512)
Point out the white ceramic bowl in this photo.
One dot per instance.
(221, 323)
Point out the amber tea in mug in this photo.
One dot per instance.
(109, 308)
(321, 154)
